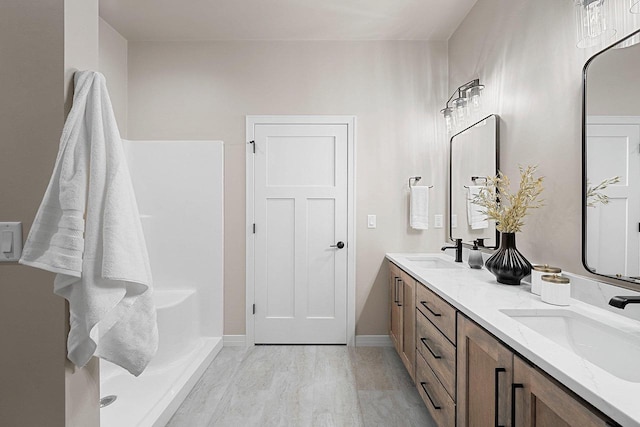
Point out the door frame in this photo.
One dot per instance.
(350, 122)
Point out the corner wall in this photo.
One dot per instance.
(82, 385)
(204, 90)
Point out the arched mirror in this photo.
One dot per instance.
(611, 162)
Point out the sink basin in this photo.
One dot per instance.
(431, 262)
(613, 350)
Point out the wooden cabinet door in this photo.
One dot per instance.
(395, 325)
(408, 306)
(540, 402)
(485, 372)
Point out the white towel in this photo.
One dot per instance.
(419, 208)
(476, 218)
(106, 276)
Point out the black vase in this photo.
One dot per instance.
(507, 263)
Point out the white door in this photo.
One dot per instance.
(300, 211)
(614, 151)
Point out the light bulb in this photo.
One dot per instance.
(448, 119)
(460, 107)
(475, 100)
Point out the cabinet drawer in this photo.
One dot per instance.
(439, 403)
(438, 311)
(439, 353)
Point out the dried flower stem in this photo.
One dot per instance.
(506, 208)
(595, 194)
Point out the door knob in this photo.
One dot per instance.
(338, 245)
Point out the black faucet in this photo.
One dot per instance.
(457, 247)
(621, 302)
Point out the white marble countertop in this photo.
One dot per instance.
(480, 297)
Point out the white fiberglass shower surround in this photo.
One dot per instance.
(179, 189)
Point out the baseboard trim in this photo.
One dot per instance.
(234, 340)
(373, 341)
(361, 341)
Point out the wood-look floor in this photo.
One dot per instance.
(304, 386)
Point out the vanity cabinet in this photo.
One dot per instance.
(436, 355)
(490, 376)
(395, 321)
(540, 401)
(467, 377)
(435, 367)
(485, 372)
(439, 403)
(402, 320)
(408, 307)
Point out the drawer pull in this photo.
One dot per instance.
(424, 387)
(424, 342)
(514, 387)
(497, 391)
(424, 304)
(395, 289)
(400, 292)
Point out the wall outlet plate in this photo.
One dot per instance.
(454, 221)
(438, 221)
(371, 221)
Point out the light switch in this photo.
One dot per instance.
(437, 221)
(7, 242)
(10, 241)
(454, 221)
(371, 221)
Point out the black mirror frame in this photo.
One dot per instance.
(584, 163)
(469, 245)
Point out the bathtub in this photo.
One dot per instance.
(183, 354)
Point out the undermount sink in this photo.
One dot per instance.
(613, 350)
(431, 262)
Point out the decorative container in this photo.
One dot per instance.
(507, 263)
(555, 290)
(537, 272)
(475, 256)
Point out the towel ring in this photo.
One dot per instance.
(416, 178)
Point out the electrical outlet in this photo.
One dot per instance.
(371, 221)
(454, 221)
(437, 222)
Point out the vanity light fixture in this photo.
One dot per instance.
(465, 107)
(594, 21)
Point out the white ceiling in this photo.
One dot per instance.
(285, 19)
